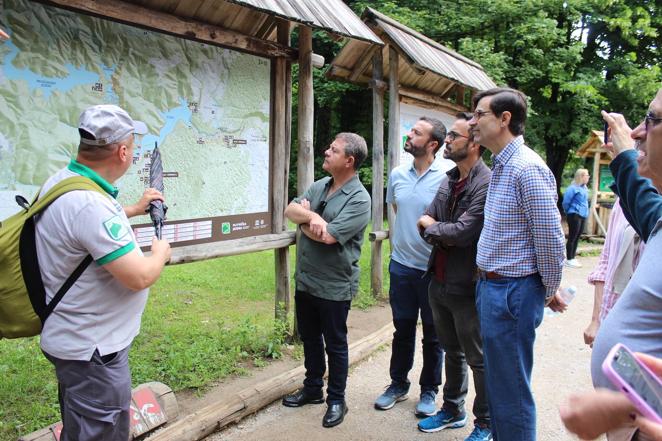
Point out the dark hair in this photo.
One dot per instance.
(468, 116)
(438, 131)
(355, 146)
(506, 99)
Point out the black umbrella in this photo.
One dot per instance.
(157, 209)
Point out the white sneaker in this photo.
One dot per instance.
(573, 263)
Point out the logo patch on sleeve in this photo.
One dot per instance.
(115, 228)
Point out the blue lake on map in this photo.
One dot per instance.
(172, 117)
(75, 77)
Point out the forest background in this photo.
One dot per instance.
(571, 58)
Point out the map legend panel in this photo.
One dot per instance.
(174, 233)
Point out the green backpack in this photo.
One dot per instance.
(23, 308)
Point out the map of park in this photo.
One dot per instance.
(206, 108)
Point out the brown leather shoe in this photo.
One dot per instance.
(301, 398)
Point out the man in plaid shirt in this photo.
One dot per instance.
(520, 260)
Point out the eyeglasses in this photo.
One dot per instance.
(478, 114)
(647, 121)
(452, 136)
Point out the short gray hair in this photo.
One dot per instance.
(355, 146)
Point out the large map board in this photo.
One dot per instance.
(207, 108)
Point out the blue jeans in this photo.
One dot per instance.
(408, 295)
(510, 310)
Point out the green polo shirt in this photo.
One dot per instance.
(332, 271)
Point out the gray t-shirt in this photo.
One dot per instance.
(98, 312)
(636, 319)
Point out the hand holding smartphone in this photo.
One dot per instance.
(605, 135)
(642, 387)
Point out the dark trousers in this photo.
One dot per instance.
(510, 309)
(94, 397)
(408, 295)
(575, 228)
(323, 324)
(456, 321)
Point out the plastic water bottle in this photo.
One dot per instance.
(568, 295)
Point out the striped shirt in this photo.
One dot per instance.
(522, 233)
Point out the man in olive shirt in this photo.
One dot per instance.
(332, 214)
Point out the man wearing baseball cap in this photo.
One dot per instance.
(88, 335)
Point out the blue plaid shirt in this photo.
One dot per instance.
(522, 232)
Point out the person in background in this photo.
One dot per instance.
(618, 260)
(575, 205)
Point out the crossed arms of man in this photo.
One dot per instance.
(311, 223)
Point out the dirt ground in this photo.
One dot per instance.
(561, 367)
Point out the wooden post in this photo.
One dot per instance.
(393, 120)
(281, 161)
(376, 268)
(305, 167)
(592, 218)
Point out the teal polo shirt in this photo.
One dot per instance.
(332, 271)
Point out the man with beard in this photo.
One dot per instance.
(410, 190)
(452, 224)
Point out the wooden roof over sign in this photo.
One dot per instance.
(425, 65)
(248, 25)
(593, 145)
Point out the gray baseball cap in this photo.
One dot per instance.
(107, 124)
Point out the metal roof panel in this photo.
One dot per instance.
(331, 15)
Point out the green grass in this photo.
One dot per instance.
(203, 322)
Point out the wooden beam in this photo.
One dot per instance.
(376, 267)
(432, 99)
(393, 119)
(593, 218)
(182, 27)
(305, 165)
(282, 114)
(376, 236)
(459, 96)
(193, 253)
(364, 62)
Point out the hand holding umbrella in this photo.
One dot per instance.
(157, 209)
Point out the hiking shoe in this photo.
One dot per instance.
(480, 434)
(393, 394)
(426, 405)
(442, 420)
(573, 263)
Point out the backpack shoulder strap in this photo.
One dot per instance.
(28, 247)
(62, 187)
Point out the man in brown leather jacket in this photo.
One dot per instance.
(452, 223)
